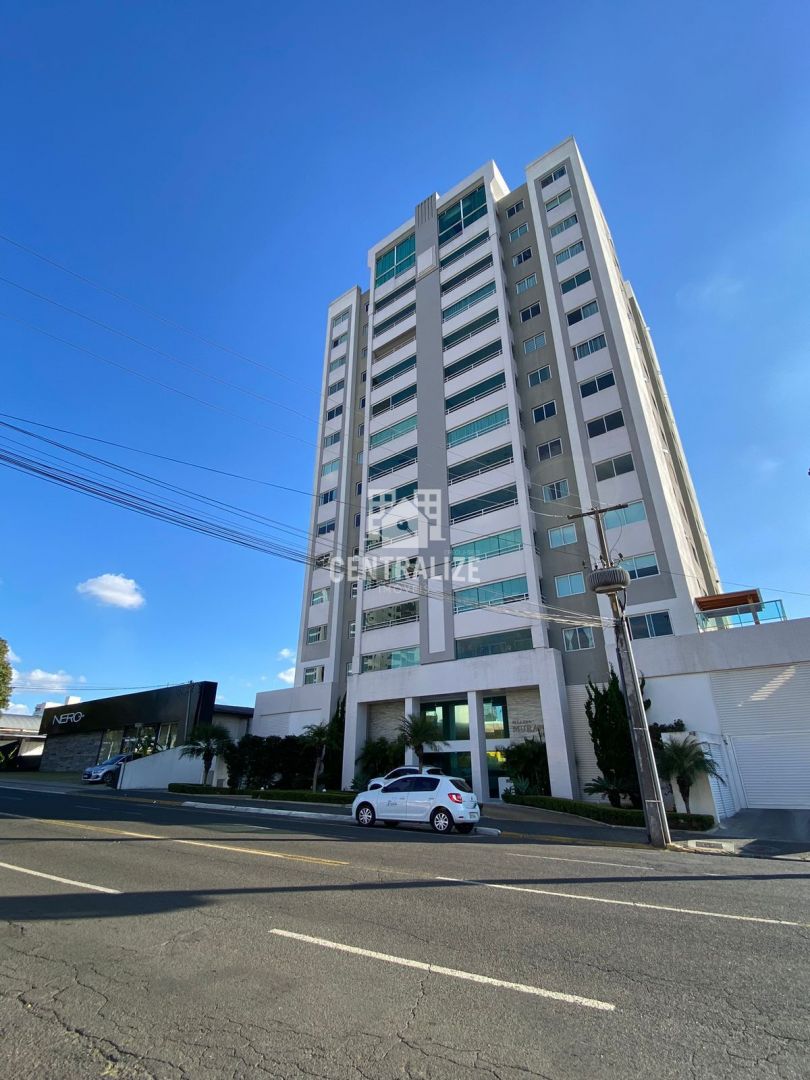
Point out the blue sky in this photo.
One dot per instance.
(229, 165)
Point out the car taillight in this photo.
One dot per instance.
(455, 797)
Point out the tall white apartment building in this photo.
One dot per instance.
(499, 362)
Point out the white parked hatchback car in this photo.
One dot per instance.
(444, 801)
(401, 770)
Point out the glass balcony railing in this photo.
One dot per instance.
(742, 615)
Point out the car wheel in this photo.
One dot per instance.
(465, 828)
(441, 820)
(109, 779)
(390, 824)
(365, 815)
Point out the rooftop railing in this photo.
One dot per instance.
(742, 615)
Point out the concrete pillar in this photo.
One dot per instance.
(354, 738)
(559, 743)
(412, 706)
(478, 745)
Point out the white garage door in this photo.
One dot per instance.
(775, 769)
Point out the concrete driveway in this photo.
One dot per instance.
(768, 832)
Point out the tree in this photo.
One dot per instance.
(610, 732)
(684, 761)
(238, 758)
(5, 675)
(528, 761)
(316, 736)
(379, 756)
(420, 733)
(333, 762)
(207, 741)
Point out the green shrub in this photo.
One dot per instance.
(197, 789)
(607, 814)
(271, 794)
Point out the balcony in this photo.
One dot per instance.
(727, 611)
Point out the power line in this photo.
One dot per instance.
(155, 315)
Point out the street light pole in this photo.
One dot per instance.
(610, 580)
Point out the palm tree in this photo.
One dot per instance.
(684, 761)
(419, 733)
(317, 737)
(206, 741)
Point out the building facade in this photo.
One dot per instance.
(495, 377)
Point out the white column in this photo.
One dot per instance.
(354, 738)
(412, 705)
(478, 745)
(562, 767)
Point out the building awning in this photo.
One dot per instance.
(722, 601)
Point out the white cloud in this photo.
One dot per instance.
(17, 710)
(114, 590)
(37, 679)
(285, 654)
(12, 656)
(287, 676)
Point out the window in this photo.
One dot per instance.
(494, 644)
(391, 615)
(526, 284)
(393, 320)
(316, 634)
(582, 278)
(357, 521)
(548, 450)
(364, 374)
(474, 393)
(532, 344)
(544, 411)
(467, 275)
(318, 596)
(570, 584)
(312, 675)
(330, 467)
(336, 386)
(653, 624)
(395, 431)
(561, 226)
(398, 531)
(362, 403)
(335, 364)
(391, 464)
(396, 260)
(530, 312)
(391, 498)
(473, 359)
(602, 424)
(521, 230)
(385, 661)
(392, 297)
(640, 566)
(465, 249)
(340, 340)
(354, 590)
(617, 466)
(393, 372)
(322, 561)
(515, 209)
(578, 314)
(591, 346)
(359, 458)
(491, 595)
(326, 528)
(556, 490)
(472, 328)
(401, 396)
(634, 511)
(468, 301)
(331, 414)
(348, 668)
(488, 547)
(522, 257)
(578, 638)
(543, 374)
(483, 504)
(352, 629)
(327, 497)
(562, 536)
(361, 430)
(569, 252)
(599, 382)
(461, 214)
(558, 174)
(473, 428)
(503, 455)
(341, 318)
(558, 200)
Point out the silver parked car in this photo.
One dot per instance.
(106, 772)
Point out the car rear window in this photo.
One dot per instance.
(462, 785)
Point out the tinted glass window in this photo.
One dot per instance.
(398, 785)
(462, 785)
(425, 783)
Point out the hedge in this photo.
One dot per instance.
(340, 797)
(607, 814)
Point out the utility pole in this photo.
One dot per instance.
(611, 580)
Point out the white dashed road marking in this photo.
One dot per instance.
(61, 880)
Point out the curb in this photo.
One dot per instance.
(307, 814)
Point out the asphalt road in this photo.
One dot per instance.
(188, 945)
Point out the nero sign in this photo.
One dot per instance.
(185, 706)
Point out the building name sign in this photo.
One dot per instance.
(68, 718)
